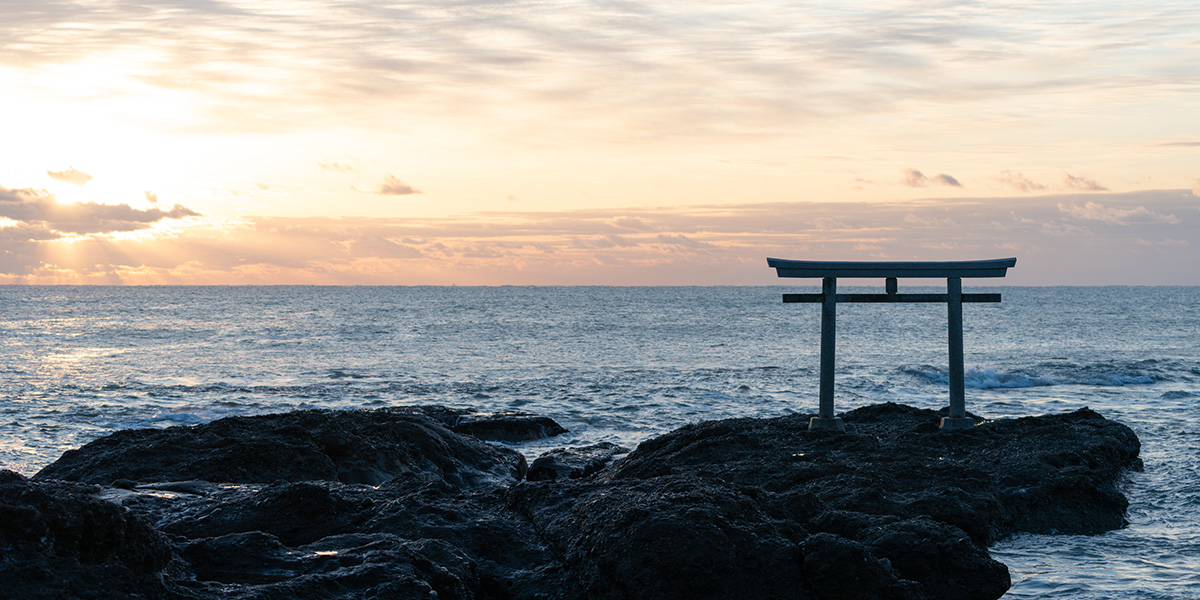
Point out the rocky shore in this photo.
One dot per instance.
(416, 503)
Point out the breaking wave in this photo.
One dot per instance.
(988, 378)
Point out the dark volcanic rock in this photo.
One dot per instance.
(256, 565)
(265, 530)
(669, 538)
(836, 568)
(296, 513)
(945, 561)
(992, 480)
(746, 508)
(505, 426)
(512, 559)
(573, 463)
(893, 508)
(58, 541)
(368, 447)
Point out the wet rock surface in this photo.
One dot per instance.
(505, 426)
(761, 508)
(59, 541)
(368, 447)
(573, 463)
(256, 565)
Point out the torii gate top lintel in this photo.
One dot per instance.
(996, 267)
(953, 271)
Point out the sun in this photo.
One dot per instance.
(94, 130)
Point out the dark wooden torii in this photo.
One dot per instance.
(953, 271)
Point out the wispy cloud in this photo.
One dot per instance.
(682, 240)
(392, 186)
(1081, 183)
(70, 175)
(380, 247)
(927, 220)
(151, 197)
(769, 67)
(1019, 182)
(337, 167)
(1092, 211)
(631, 223)
(915, 178)
(1164, 242)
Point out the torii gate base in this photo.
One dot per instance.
(953, 271)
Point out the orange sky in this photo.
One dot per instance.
(583, 142)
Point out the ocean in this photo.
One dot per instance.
(624, 364)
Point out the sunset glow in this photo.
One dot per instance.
(565, 142)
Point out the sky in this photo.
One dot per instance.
(474, 142)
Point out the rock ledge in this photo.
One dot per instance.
(392, 503)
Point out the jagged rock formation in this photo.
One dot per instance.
(392, 503)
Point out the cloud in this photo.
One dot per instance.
(377, 247)
(913, 219)
(1179, 144)
(39, 209)
(151, 197)
(392, 186)
(1164, 242)
(337, 167)
(71, 175)
(1019, 182)
(682, 240)
(1062, 240)
(915, 178)
(944, 179)
(1081, 183)
(828, 223)
(1060, 229)
(606, 241)
(1196, 187)
(631, 224)
(766, 67)
(1092, 211)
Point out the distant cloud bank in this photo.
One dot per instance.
(1092, 238)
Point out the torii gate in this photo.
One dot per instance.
(953, 271)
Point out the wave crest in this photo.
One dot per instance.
(989, 378)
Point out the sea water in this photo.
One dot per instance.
(624, 364)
